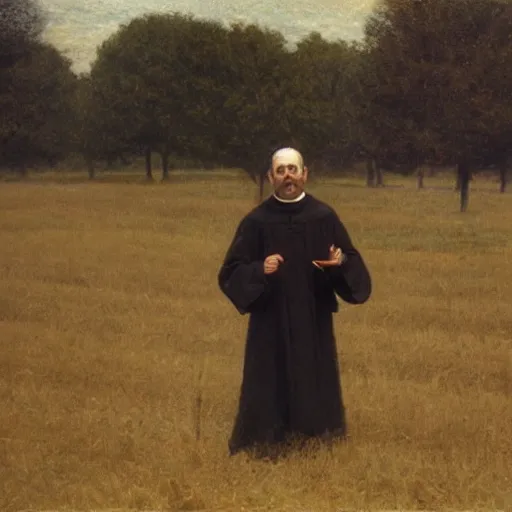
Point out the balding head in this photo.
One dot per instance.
(287, 156)
(287, 174)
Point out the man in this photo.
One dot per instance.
(291, 384)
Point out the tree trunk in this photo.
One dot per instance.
(124, 160)
(503, 176)
(90, 167)
(149, 170)
(464, 177)
(457, 179)
(165, 164)
(420, 178)
(379, 176)
(23, 170)
(370, 172)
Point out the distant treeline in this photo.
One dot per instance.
(430, 84)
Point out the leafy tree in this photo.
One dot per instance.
(322, 100)
(35, 89)
(250, 119)
(493, 83)
(397, 102)
(151, 84)
(193, 88)
(429, 94)
(36, 101)
(93, 137)
(21, 23)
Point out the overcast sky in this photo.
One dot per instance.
(78, 26)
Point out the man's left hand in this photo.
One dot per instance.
(335, 254)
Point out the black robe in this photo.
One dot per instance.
(291, 382)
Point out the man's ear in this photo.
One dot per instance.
(270, 176)
(305, 173)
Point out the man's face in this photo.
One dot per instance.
(288, 179)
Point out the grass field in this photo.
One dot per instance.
(112, 327)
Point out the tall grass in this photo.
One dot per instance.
(120, 360)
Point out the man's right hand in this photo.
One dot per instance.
(271, 263)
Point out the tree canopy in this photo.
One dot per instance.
(21, 23)
(430, 84)
(435, 80)
(36, 85)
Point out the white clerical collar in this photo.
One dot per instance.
(296, 200)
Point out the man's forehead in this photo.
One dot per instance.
(287, 156)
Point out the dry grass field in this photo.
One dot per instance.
(112, 329)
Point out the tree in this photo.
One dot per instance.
(193, 88)
(321, 100)
(95, 136)
(21, 23)
(430, 88)
(493, 81)
(397, 100)
(35, 89)
(153, 84)
(251, 118)
(36, 102)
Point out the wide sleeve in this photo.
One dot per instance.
(351, 280)
(241, 277)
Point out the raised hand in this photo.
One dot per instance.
(335, 254)
(271, 263)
